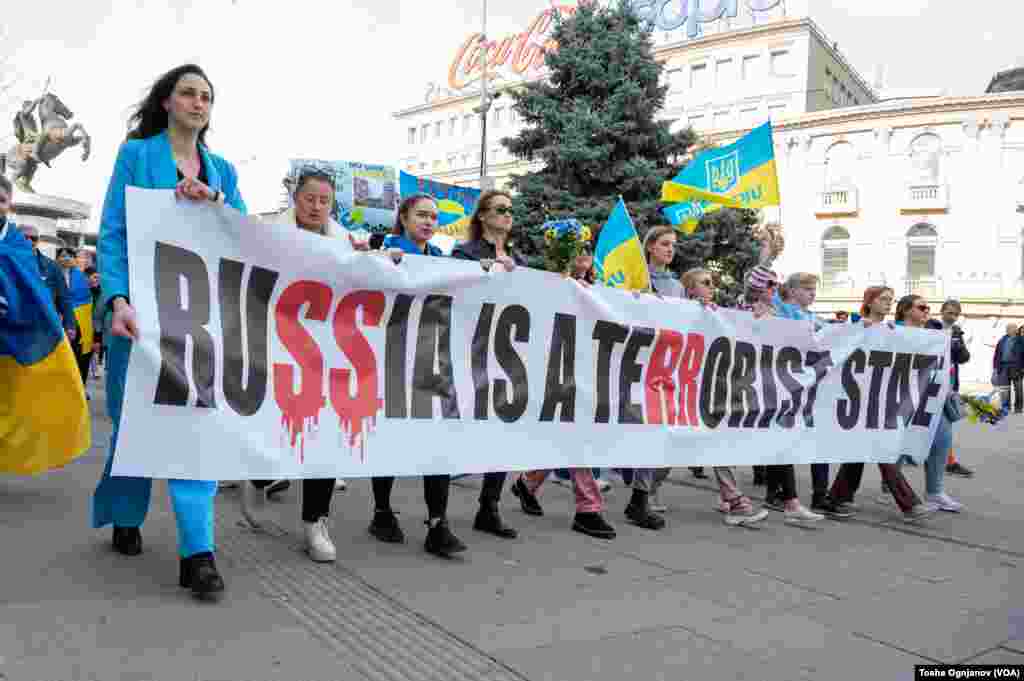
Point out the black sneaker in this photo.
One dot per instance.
(698, 472)
(199, 573)
(489, 520)
(957, 469)
(641, 516)
(833, 509)
(759, 478)
(441, 542)
(386, 528)
(593, 525)
(774, 503)
(527, 499)
(127, 540)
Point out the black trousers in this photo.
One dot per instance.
(83, 361)
(780, 482)
(490, 493)
(435, 493)
(316, 498)
(819, 479)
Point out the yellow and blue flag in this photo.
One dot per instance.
(44, 420)
(619, 257)
(455, 204)
(740, 175)
(81, 303)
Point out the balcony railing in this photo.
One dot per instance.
(926, 197)
(838, 202)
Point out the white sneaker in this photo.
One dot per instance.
(944, 502)
(655, 503)
(340, 485)
(751, 516)
(885, 498)
(603, 485)
(920, 512)
(802, 516)
(318, 542)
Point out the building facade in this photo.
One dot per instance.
(923, 193)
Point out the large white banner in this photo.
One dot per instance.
(269, 352)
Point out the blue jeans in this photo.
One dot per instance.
(935, 464)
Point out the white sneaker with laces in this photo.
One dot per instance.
(802, 516)
(340, 485)
(318, 542)
(944, 502)
(603, 485)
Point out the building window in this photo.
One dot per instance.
(724, 73)
(698, 76)
(412, 135)
(437, 130)
(465, 160)
(922, 240)
(467, 123)
(424, 131)
(498, 115)
(451, 126)
(925, 155)
(835, 255)
(782, 65)
(751, 67)
(840, 162)
(451, 161)
(423, 165)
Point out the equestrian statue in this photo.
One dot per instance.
(43, 141)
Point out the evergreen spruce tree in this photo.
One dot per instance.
(593, 124)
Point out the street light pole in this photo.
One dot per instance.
(485, 106)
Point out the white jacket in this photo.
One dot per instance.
(334, 230)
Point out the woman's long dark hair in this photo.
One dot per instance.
(903, 307)
(150, 117)
(476, 223)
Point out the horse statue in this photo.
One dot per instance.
(43, 142)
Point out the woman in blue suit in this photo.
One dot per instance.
(165, 150)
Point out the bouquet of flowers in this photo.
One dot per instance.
(564, 241)
(981, 408)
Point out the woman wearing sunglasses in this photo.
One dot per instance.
(165, 149)
(914, 312)
(488, 243)
(875, 308)
(414, 227)
(738, 509)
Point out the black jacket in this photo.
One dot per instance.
(958, 352)
(1016, 350)
(483, 249)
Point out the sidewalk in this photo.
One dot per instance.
(867, 598)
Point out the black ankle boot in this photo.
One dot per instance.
(593, 525)
(488, 520)
(638, 512)
(199, 573)
(527, 499)
(440, 540)
(127, 540)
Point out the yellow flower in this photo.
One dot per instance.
(585, 234)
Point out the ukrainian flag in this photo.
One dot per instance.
(452, 219)
(81, 303)
(740, 175)
(44, 421)
(619, 257)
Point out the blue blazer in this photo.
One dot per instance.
(148, 164)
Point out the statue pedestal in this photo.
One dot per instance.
(50, 215)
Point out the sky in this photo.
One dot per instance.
(322, 78)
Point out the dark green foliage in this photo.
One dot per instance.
(593, 125)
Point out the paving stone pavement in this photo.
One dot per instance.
(865, 598)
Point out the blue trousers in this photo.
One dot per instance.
(124, 502)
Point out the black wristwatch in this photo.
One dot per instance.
(216, 196)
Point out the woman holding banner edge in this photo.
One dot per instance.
(415, 223)
(165, 149)
(488, 243)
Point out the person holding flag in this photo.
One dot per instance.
(81, 304)
(37, 366)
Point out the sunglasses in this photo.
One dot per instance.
(503, 210)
